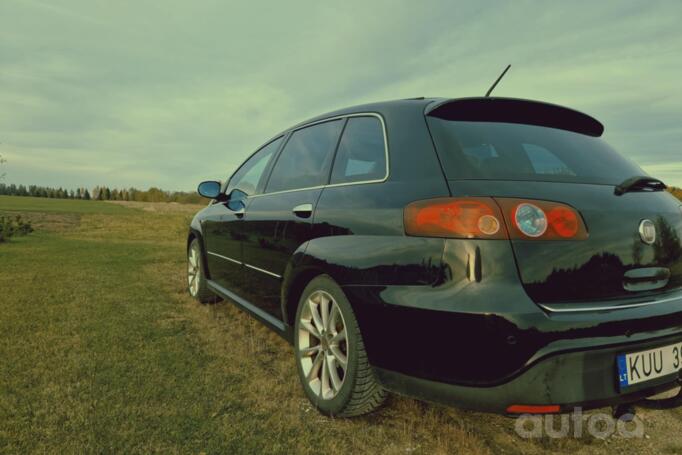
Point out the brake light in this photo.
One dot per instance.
(533, 409)
(468, 218)
(564, 221)
(493, 218)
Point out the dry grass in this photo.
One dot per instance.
(103, 351)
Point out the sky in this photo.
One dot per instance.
(168, 93)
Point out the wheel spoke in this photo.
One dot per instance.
(316, 316)
(309, 351)
(325, 376)
(310, 328)
(334, 374)
(339, 356)
(339, 337)
(334, 313)
(314, 370)
(324, 310)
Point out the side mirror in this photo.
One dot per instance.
(209, 189)
(235, 200)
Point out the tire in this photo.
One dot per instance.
(196, 278)
(319, 347)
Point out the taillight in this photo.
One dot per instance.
(533, 409)
(530, 219)
(542, 220)
(468, 218)
(481, 218)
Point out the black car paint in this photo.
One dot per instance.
(452, 311)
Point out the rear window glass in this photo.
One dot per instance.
(508, 151)
(361, 154)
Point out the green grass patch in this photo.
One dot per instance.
(102, 351)
(39, 204)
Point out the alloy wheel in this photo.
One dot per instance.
(193, 270)
(322, 345)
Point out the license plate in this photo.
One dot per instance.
(638, 367)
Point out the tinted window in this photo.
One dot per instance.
(248, 176)
(508, 151)
(306, 158)
(545, 162)
(362, 153)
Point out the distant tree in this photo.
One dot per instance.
(2, 161)
(86, 195)
(107, 194)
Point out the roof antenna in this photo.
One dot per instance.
(498, 80)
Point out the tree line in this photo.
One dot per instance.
(101, 193)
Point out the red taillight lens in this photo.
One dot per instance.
(474, 217)
(564, 221)
(525, 220)
(481, 218)
(533, 409)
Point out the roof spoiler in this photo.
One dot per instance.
(512, 110)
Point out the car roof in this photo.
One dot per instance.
(381, 106)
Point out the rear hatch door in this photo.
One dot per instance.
(613, 262)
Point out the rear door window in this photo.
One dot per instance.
(361, 155)
(306, 158)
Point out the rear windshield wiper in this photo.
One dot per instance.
(639, 183)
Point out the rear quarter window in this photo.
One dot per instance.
(361, 155)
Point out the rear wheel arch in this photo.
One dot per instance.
(295, 281)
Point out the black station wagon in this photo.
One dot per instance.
(489, 253)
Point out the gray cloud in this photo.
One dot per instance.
(170, 93)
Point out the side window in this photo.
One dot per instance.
(248, 176)
(362, 152)
(306, 158)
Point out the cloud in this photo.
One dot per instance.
(168, 94)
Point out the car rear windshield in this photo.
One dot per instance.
(511, 151)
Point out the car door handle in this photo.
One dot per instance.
(303, 210)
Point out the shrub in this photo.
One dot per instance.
(13, 226)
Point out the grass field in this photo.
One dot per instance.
(102, 351)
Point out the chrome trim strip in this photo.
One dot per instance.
(262, 270)
(554, 309)
(332, 185)
(244, 263)
(224, 257)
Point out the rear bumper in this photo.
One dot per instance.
(586, 379)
